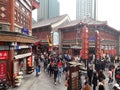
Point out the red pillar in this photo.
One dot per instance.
(12, 10)
(10, 66)
(11, 51)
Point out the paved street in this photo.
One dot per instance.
(45, 82)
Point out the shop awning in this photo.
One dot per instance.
(22, 55)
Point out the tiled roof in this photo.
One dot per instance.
(50, 21)
(87, 21)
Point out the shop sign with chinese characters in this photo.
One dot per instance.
(3, 55)
(2, 70)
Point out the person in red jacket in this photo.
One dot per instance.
(60, 70)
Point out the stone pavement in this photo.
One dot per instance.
(42, 82)
(27, 81)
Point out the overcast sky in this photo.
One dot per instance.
(108, 10)
(68, 7)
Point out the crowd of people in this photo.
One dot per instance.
(56, 65)
(96, 75)
(53, 64)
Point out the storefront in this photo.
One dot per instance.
(15, 55)
(94, 37)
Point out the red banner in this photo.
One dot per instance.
(2, 70)
(3, 54)
(85, 43)
(29, 61)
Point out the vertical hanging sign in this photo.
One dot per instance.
(2, 70)
(29, 61)
(85, 43)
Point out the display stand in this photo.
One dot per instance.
(18, 79)
(74, 82)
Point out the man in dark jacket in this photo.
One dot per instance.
(55, 68)
(90, 73)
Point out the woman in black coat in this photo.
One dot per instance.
(94, 80)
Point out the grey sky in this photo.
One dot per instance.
(108, 10)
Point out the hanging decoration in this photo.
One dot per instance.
(85, 43)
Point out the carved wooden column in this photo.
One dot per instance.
(12, 10)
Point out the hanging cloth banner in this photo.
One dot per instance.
(85, 43)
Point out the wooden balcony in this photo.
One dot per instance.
(7, 36)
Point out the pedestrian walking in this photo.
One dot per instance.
(36, 60)
(45, 63)
(60, 70)
(55, 68)
(37, 70)
(110, 76)
(90, 73)
(94, 80)
(51, 67)
(101, 84)
(39, 67)
(101, 75)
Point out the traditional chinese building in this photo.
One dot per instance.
(47, 32)
(85, 37)
(16, 38)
